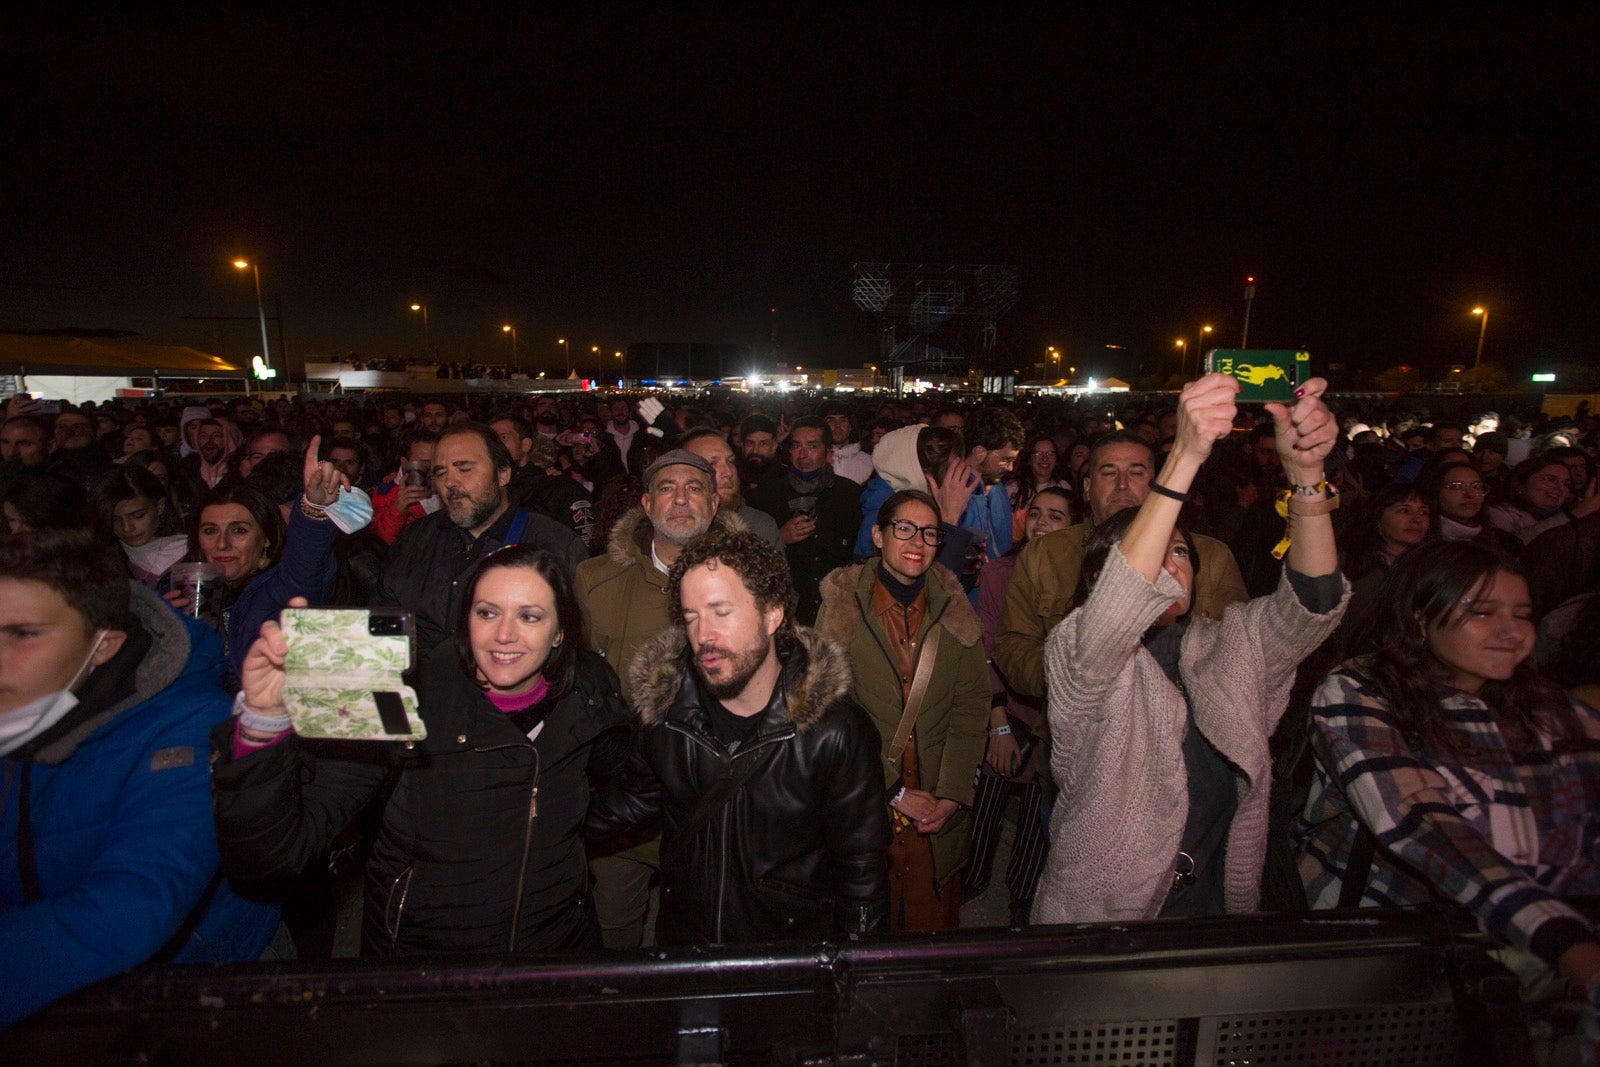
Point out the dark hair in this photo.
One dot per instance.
(1117, 437)
(29, 420)
(698, 433)
(1024, 477)
(46, 501)
(1523, 473)
(899, 499)
(91, 576)
(812, 422)
(561, 670)
(993, 428)
(280, 477)
(350, 444)
(499, 455)
(518, 423)
(761, 567)
(841, 409)
(123, 483)
(1431, 589)
(936, 447)
(1430, 485)
(263, 511)
(1363, 547)
(1106, 536)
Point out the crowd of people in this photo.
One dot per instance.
(713, 671)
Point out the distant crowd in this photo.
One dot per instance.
(694, 671)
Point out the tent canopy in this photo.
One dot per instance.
(44, 353)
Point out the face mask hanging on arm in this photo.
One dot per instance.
(21, 725)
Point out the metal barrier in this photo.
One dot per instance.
(1377, 987)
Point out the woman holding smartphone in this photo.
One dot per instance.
(478, 846)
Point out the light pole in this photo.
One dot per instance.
(1183, 356)
(1249, 295)
(512, 330)
(427, 342)
(255, 269)
(622, 371)
(1483, 328)
(562, 341)
(1199, 351)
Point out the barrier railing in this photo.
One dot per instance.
(1374, 987)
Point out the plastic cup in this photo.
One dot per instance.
(202, 583)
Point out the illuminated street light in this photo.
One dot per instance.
(512, 330)
(1200, 349)
(427, 342)
(261, 310)
(1483, 328)
(562, 341)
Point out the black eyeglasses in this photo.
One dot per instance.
(905, 531)
(1467, 487)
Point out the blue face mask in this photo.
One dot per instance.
(352, 511)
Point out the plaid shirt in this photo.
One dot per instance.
(1507, 835)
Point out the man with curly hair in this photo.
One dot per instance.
(751, 756)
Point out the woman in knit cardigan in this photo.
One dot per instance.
(1160, 720)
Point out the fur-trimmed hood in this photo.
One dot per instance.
(631, 536)
(816, 674)
(839, 591)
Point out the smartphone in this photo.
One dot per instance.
(343, 673)
(413, 473)
(47, 407)
(1264, 375)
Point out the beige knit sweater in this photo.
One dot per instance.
(1117, 729)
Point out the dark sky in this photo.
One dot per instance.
(639, 174)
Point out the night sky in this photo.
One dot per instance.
(642, 174)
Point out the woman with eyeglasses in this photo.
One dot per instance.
(1457, 493)
(920, 671)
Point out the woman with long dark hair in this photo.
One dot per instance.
(1448, 769)
(129, 506)
(478, 847)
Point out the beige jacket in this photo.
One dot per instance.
(1117, 728)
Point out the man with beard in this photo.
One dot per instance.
(751, 756)
(623, 594)
(546, 417)
(709, 445)
(1044, 582)
(432, 555)
(759, 468)
(207, 465)
(817, 512)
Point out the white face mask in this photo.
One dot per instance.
(21, 725)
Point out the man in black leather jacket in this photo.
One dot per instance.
(762, 772)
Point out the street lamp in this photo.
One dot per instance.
(1483, 328)
(261, 310)
(622, 373)
(512, 330)
(562, 341)
(1183, 356)
(427, 342)
(1200, 349)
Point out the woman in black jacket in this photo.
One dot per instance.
(479, 846)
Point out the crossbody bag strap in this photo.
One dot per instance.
(920, 680)
(712, 802)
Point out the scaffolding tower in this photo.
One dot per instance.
(940, 318)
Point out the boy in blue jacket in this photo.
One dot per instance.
(108, 858)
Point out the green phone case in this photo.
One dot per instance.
(1265, 374)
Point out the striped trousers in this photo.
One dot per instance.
(1028, 848)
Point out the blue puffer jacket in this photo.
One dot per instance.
(119, 825)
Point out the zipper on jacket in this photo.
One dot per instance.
(527, 840)
(722, 855)
(392, 925)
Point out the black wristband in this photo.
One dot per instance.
(1158, 488)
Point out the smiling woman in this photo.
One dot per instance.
(519, 719)
(1447, 768)
(918, 668)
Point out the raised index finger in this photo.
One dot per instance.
(311, 456)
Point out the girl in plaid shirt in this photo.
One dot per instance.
(1480, 783)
